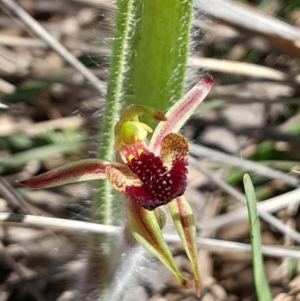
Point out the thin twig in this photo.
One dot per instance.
(266, 216)
(13, 41)
(40, 127)
(242, 16)
(54, 44)
(247, 69)
(14, 198)
(98, 3)
(30, 280)
(245, 164)
(233, 246)
(271, 205)
(277, 133)
(42, 221)
(245, 100)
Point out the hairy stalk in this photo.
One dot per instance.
(121, 48)
(96, 279)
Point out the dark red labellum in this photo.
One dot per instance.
(160, 186)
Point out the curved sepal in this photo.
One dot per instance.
(179, 113)
(83, 170)
(183, 219)
(146, 230)
(129, 130)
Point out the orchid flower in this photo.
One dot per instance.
(149, 174)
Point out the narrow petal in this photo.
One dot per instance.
(146, 230)
(183, 219)
(83, 170)
(180, 112)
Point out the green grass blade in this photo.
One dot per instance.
(260, 281)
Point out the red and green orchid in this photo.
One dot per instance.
(149, 174)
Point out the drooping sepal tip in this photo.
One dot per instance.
(185, 283)
(134, 111)
(129, 130)
(208, 80)
(158, 115)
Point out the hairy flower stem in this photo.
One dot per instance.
(103, 212)
(103, 207)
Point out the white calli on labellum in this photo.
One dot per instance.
(149, 173)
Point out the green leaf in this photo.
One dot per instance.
(260, 281)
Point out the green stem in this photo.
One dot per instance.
(124, 27)
(158, 58)
(103, 206)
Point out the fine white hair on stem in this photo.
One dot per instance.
(42, 221)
